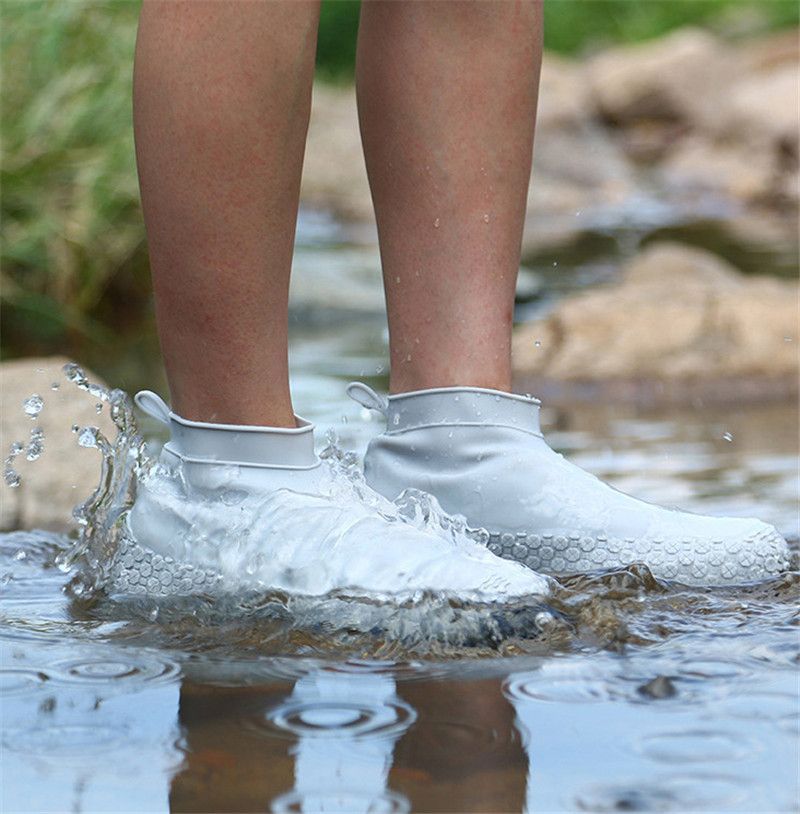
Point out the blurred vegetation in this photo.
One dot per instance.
(74, 265)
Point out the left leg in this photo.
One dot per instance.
(447, 92)
(447, 99)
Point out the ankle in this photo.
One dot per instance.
(216, 409)
(405, 381)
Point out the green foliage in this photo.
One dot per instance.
(71, 222)
(573, 26)
(336, 42)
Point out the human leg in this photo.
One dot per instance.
(222, 92)
(447, 98)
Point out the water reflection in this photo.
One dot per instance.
(350, 741)
(327, 745)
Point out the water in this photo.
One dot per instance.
(616, 693)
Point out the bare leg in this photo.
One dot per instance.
(447, 98)
(222, 91)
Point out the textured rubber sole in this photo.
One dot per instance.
(690, 561)
(138, 570)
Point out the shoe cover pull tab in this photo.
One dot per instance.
(367, 397)
(152, 404)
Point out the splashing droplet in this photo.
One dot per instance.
(35, 446)
(485, 217)
(436, 223)
(12, 478)
(727, 436)
(87, 437)
(33, 405)
(537, 343)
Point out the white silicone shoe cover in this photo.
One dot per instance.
(221, 525)
(481, 453)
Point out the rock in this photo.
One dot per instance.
(564, 100)
(334, 173)
(762, 110)
(681, 323)
(581, 181)
(768, 52)
(724, 170)
(682, 76)
(66, 474)
(658, 688)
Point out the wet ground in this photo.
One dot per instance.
(619, 693)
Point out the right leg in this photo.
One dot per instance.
(222, 92)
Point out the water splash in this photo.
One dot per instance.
(245, 529)
(123, 461)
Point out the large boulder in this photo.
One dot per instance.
(763, 110)
(680, 323)
(682, 76)
(65, 474)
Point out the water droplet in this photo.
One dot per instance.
(408, 357)
(87, 437)
(485, 217)
(396, 419)
(35, 446)
(55, 386)
(788, 339)
(727, 436)
(397, 280)
(380, 368)
(73, 373)
(537, 344)
(436, 223)
(555, 263)
(75, 428)
(98, 408)
(33, 405)
(12, 478)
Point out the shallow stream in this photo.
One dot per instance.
(617, 693)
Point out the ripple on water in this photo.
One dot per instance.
(696, 746)
(570, 685)
(684, 792)
(27, 567)
(764, 706)
(18, 681)
(140, 668)
(387, 802)
(63, 740)
(340, 719)
(713, 669)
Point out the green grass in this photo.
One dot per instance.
(74, 265)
